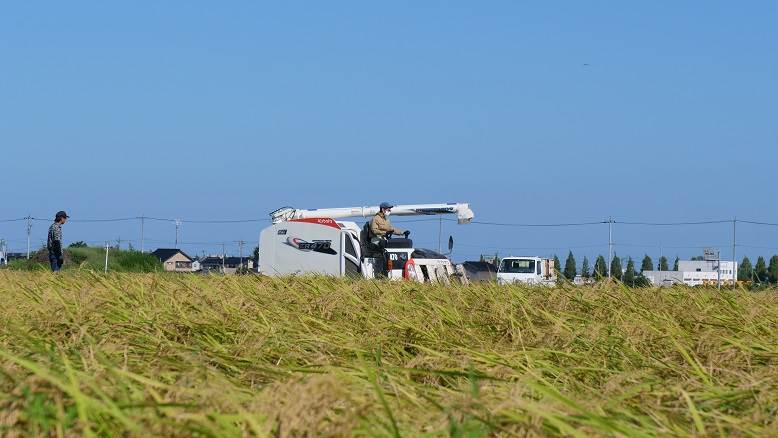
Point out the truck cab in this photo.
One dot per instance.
(527, 270)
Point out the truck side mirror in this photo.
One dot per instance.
(450, 243)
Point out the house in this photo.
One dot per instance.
(224, 265)
(173, 259)
(695, 273)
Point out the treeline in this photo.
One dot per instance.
(627, 274)
(761, 273)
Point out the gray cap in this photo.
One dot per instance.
(385, 205)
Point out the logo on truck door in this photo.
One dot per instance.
(322, 246)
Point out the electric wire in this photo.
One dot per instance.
(553, 225)
(662, 224)
(769, 224)
(477, 222)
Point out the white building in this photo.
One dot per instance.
(695, 273)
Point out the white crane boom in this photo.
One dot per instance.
(463, 212)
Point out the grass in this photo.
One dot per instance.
(83, 353)
(92, 258)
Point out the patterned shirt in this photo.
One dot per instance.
(54, 242)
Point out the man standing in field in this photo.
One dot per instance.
(380, 225)
(54, 242)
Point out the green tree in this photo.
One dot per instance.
(600, 268)
(772, 270)
(760, 271)
(570, 267)
(255, 254)
(675, 263)
(745, 271)
(616, 267)
(557, 265)
(585, 267)
(663, 266)
(79, 244)
(629, 273)
(647, 264)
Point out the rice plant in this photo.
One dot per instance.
(83, 353)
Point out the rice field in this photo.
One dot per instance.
(83, 353)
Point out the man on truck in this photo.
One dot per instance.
(380, 225)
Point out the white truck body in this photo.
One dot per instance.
(527, 270)
(308, 242)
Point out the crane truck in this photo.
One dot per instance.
(317, 242)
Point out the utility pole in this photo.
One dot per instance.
(660, 258)
(106, 257)
(141, 232)
(29, 229)
(224, 255)
(240, 246)
(734, 259)
(610, 245)
(178, 226)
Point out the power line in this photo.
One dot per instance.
(407, 221)
(656, 245)
(225, 221)
(489, 223)
(770, 224)
(663, 224)
(119, 219)
(492, 247)
(570, 224)
(743, 245)
(159, 219)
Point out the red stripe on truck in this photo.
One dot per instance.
(327, 222)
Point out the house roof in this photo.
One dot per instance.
(164, 254)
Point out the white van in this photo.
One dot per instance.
(527, 270)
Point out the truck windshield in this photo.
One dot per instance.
(517, 266)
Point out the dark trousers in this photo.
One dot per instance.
(56, 261)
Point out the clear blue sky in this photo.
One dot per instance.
(543, 112)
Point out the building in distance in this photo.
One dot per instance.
(173, 259)
(696, 273)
